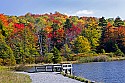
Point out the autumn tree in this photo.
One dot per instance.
(42, 42)
(108, 38)
(93, 33)
(81, 45)
(120, 38)
(67, 26)
(57, 36)
(23, 43)
(6, 52)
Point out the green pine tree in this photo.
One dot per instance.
(57, 58)
(118, 22)
(118, 51)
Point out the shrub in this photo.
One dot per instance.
(40, 59)
(71, 76)
(101, 58)
(13, 61)
(48, 57)
(119, 53)
(4, 68)
(1, 61)
(21, 67)
(9, 62)
(82, 79)
(77, 78)
(85, 59)
(74, 58)
(103, 51)
(30, 60)
(111, 54)
(64, 59)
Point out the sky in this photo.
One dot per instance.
(94, 8)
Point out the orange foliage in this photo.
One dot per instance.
(109, 24)
(60, 32)
(48, 29)
(4, 20)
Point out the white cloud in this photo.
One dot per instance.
(88, 12)
(81, 13)
(67, 14)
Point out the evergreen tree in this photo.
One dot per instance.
(67, 24)
(118, 51)
(67, 51)
(57, 58)
(118, 22)
(102, 22)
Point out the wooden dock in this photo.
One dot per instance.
(66, 68)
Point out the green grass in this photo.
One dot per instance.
(100, 58)
(77, 78)
(7, 76)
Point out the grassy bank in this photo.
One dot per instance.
(78, 78)
(9, 76)
(100, 58)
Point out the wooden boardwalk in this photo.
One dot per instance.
(66, 68)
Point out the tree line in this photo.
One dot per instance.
(51, 37)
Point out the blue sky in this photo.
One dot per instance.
(97, 8)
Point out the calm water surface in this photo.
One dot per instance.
(103, 72)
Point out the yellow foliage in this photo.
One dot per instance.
(82, 44)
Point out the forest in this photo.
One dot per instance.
(56, 37)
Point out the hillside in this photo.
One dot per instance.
(24, 38)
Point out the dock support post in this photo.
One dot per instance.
(35, 69)
(71, 71)
(45, 68)
(52, 68)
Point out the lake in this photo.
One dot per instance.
(102, 72)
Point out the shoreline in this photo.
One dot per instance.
(81, 79)
(42, 77)
(77, 62)
(49, 77)
(110, 60)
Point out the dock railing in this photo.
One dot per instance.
(65, 68)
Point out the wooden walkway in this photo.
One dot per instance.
(66, 68)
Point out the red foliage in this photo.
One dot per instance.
(19, 26)
(56, 21)
(49, 35)
(59, 41)
(60, 32)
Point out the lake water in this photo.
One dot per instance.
(102, 72)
